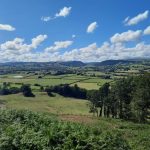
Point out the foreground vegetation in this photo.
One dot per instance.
(73, 110)
(26, 130)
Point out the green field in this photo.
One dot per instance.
(43, 103)
(86, 82)
(43, 82)
(88, 86)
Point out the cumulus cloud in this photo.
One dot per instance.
(92, 27)
(59, 45)
(126, 36)
(147, 31)
(6, 27)
(18, 46)
(135, 20)
(64, 12)
(38, 40)
(92, 52)
(19, 50)
(106, 51)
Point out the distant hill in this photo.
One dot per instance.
(112, 62)
(65, 64)
(72, 63)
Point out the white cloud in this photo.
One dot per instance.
(6, 27)
(17, 46)
(64, 12)
(135, 20)
(89, 53)
(59, 45)
(147, 31)
(38, 40)
(105, 52)
(46, 19)
(126, 36)
(92, 27)
(18, 50)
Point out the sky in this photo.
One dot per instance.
(67, 30)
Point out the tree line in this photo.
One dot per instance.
(6, 89)
(127, 98)
(67, 91)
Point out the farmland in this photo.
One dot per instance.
(43, 103)
(51, 80)
(63, 110)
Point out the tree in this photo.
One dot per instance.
(41, 88)
(4, 91)
(26, 90)
(93, 96)
(127, 98)
(141, 98)
(104, 101)
(141, 104)
(123, 89)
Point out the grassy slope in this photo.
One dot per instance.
(70, 109)
(43, 103)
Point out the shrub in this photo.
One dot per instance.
(27, 130)
(26, 90)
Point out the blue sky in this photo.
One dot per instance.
(86, 30)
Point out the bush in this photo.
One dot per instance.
(22, 130)
(26, 90)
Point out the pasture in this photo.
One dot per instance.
(43, 103)
(82, 81)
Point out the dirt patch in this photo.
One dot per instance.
(78, 118)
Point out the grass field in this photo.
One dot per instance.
(43, 82)
(51, 80)
(43, 103)
(88, 86)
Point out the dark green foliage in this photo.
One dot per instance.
(94, 97)
(14, 90)
(6, 89)
(127, 98)
(26, 90)
(22, 130)
(141, 98)
(67, 91)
